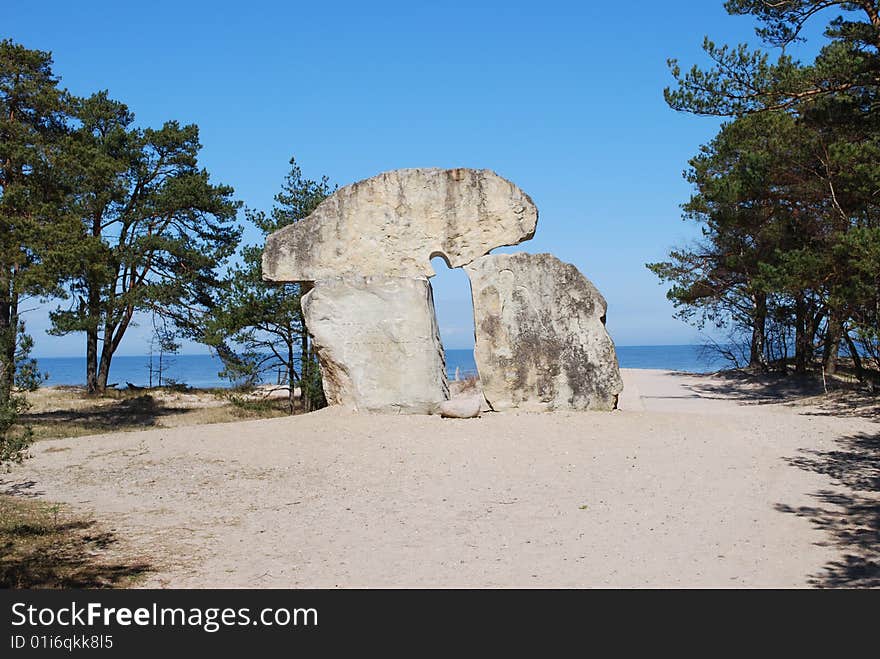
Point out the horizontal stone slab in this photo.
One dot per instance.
(393, 224)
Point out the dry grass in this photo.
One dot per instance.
(58, 412)
(45, 546)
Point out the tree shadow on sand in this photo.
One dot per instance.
(751, 388)
(850, 518)
(840, 399)
(37, 550)
(143, 410)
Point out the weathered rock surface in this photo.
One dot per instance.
(378, 343)
(462, 407)
(394, 223)
(541, 342)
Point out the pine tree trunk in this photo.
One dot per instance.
(800, 336)
(8, 337)
(832, 344)
(291, 399)
(113, 334)
(104, 368)
(93, 311)
(9, 356)
(305, 371)
(92, 360)
(318, 400)
(106, 355)
(854, 354)
(759, 328)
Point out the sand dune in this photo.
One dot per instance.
(696, 481)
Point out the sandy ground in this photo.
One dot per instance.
(696, 481)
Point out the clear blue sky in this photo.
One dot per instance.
(563, 98)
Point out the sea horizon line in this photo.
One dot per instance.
(208, 354)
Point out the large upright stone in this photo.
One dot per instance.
(541, 342)
(393, 224)
(378, 343)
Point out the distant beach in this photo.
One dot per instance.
(201, 370)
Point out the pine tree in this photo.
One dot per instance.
(820, 274)
(154, 231)
(36, 228)
(264, 322)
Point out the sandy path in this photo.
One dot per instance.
(682, 487)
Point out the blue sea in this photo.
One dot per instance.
(201, 370)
